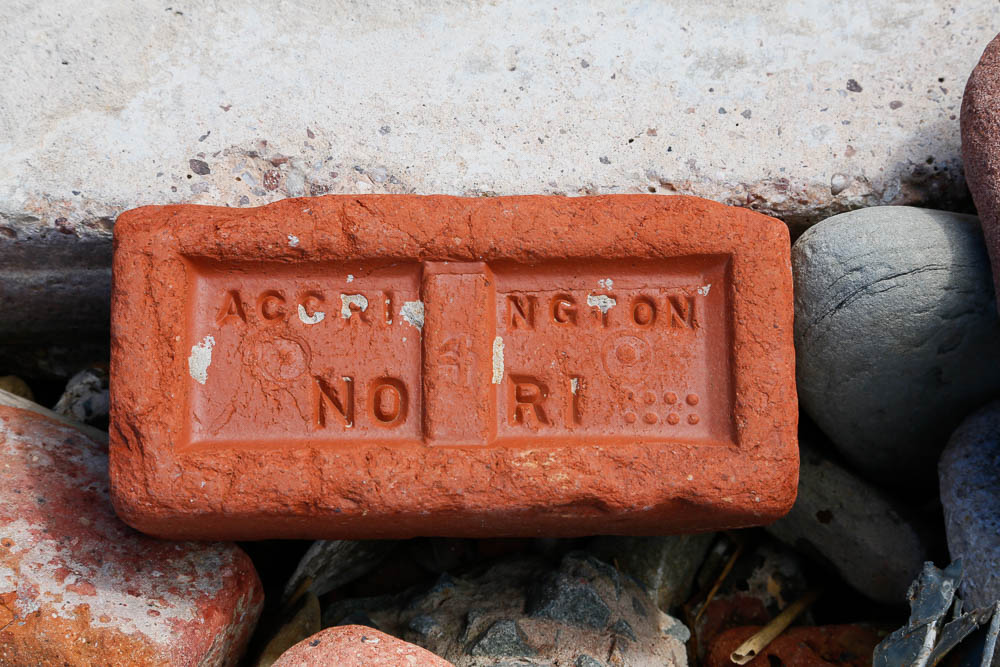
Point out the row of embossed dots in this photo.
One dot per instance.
(670, 398)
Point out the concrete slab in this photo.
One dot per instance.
(797, 109)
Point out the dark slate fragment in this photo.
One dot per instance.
(502, 638)
(424, 625)
(562, 598)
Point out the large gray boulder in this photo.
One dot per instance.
(970, 493)
(896, 334)
(857, 529)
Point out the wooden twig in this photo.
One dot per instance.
(718, 582)
(752, 647)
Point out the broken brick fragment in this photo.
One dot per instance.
(78, 586)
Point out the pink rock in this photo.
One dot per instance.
(78, 586)
(357, 646)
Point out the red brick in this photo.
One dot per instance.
(390, 366)
(79, 587)
(357, 646)
(804, 646)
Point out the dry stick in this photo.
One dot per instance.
(749, 649)
(299, 592)
(718, 582)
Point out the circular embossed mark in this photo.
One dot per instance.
(282, 359)
(625, 356)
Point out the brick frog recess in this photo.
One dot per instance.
(390, 366)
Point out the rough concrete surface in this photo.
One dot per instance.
(798, 109)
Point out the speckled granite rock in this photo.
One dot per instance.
(78, 586)
(896, 335)
(864, 534)
(970, 493)
(523, 612)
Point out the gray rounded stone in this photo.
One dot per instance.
(666, 566)
(896, 334)
(861, 532)
(970, 493)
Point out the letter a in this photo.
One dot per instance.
(231, 308)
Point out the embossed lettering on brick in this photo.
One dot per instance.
(392, 366)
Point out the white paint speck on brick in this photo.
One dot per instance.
(603, 302)
(413, 313)
(293, 240)
(497, 360)
(200, 359)
(347, 300)
(315, 318)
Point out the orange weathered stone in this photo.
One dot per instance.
(390, 366)
(79, 587)
(357, 646)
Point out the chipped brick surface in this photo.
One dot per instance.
(804, 646)
(77, 586)
(357, 646)
(390, 366)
